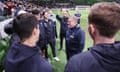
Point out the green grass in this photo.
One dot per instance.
(59, 66)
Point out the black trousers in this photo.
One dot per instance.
(52, 45)
(70, 53)
(55, 30)
(62, 36)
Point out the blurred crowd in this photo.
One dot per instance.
(10, 8)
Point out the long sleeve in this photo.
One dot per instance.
(58, 17)
(81, 40)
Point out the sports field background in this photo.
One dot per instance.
(59, 66)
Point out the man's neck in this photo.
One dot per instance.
(104, 40)
(29, 42)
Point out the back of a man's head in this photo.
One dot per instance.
(24, 24)
(106, 17)
(35, 12)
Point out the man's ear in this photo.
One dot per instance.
(92, 28)
(34, 32)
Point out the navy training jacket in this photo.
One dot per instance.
(100, 58)
(22, 58)
(75, 41)
(42, 39)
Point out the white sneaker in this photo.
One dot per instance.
(56, 59)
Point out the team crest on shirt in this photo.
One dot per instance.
(71, 36)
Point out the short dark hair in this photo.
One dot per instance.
(35, 11)
(106, 17)
(24, 24)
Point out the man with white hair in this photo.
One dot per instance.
(75, 38)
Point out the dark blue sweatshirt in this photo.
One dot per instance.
(22, 58)
(75, 40)
(100, 58)
(41, 42)
(49, 30)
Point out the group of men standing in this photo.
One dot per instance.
(104, 56)
(71, 31)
